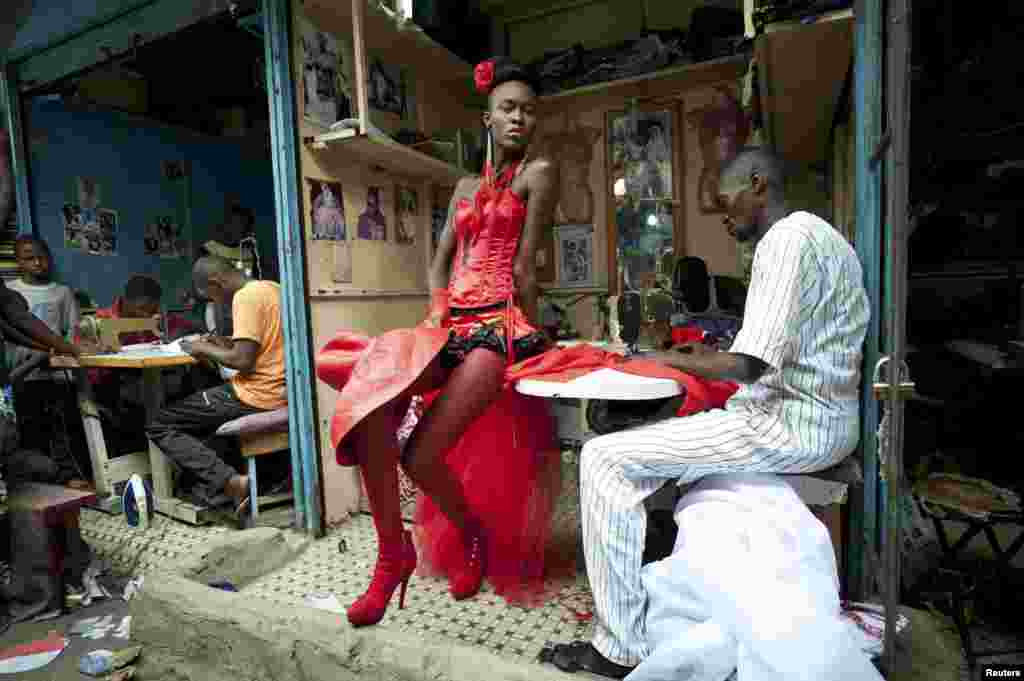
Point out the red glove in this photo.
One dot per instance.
(438, 311)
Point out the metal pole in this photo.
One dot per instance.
(302, 412)
(867, 92)
(898, 105)
(10, 101)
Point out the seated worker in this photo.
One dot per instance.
(255, 350)
(34, 384)
(239, 223)
(118, 392)
(797, 357)
(141, 299)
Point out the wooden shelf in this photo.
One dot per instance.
(567, 291)
(402, 43)
(662, 83)
(802, 69)
(382, 152)
(368, 293)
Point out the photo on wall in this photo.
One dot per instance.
(373, 226)
(386, 88)
(641, 153)
(327, 211)
(103, 240)
(574, 247)
(406, 214)
(74, 227)
(164, 237)
(324, 101)
(173, 170)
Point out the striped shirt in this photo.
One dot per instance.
(806, 317)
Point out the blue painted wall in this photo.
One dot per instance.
(125, 156)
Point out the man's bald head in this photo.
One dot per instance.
(739, 172)
(751, 188)
(216, 278)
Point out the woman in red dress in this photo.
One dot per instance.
(489, 492)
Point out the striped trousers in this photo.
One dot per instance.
(620, 470)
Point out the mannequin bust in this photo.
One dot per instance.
(574, 151)
(723, 127)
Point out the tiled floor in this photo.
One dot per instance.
(485, 620)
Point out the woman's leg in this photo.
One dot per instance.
(470, 389)
(374, 446)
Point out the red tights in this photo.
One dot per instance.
(466, 392)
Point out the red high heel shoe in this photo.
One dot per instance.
(392, 570)
(466, 582)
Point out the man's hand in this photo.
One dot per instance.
(192, 346)
(693, 348)
(220, 341)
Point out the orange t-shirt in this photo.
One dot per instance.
(256, 315)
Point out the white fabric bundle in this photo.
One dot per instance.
(751, 587)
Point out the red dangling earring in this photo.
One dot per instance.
(489, 162)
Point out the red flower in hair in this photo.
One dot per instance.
(483, 76)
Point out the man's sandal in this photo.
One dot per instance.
(581, 655)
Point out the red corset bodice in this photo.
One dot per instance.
(487, 230)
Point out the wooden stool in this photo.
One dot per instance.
(260, 434)
(57, 509)
(826, 493)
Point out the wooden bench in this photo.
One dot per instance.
(259, 434)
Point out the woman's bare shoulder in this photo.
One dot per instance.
(540, 171)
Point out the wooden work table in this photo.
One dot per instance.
(109, 471)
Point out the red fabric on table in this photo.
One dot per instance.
(565, 364)
(687, 334)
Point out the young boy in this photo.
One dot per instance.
(118, 392)
(54, 304)
(36, 388)
(141, 299)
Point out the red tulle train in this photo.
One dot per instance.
(509, 464)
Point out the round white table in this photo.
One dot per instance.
(602, 384)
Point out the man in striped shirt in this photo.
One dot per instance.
(797, 358)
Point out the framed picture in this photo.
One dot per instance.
(406, 214)
(173, 170)
(323, 97)
(327, 210)
(645, 172)
(641, 155)
(574, 255)
(373, 226)
(386, 88)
